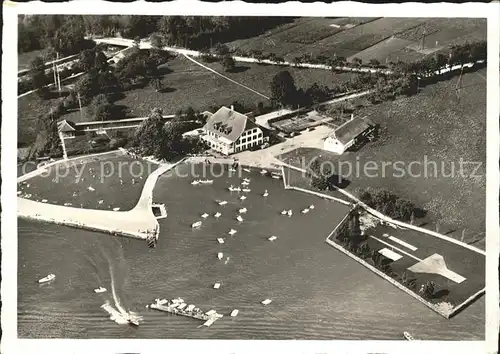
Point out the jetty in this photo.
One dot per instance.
(179, 307)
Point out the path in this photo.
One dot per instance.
(225, 77)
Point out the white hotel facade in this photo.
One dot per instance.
(229, 132)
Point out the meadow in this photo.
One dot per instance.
(104, 183)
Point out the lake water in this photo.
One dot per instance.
(317, 292)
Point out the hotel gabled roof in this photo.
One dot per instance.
(228, 124)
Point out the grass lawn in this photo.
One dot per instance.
(69, 182)
(431, 127)
(259, 77)
(24, 59)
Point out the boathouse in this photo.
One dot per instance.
(66, 129)
(228, 132)
(348, 134)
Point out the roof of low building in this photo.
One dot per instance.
(351, 129)
(65, 126)
(228, 124)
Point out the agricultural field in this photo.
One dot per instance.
(434, 129)
(288, 40)
(384, 39)
(439, 35)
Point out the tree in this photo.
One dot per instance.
(38, 77)
(149, 136)
(137, 41)
(283, 88)
(86, 87)
(427, 289)
(101, 108)
(317, 93)
(87, 59)
(297, 61)
(228, 63)
(357, 61)
(221, 50)
(70, 37)
(374, 63)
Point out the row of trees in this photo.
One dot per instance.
(64, 33)
(164, 140)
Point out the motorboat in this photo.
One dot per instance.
(242, 210)
(232, 231)
(275, 176)
(311, 207)
(246, 190)
(289, 212)
(211, 313)
(247, 180)
(216, 285)
(207, 181)
(265, 193)
(91, 189)
(222, 202)
(272, 238)
(246, 169)
(234, 189)
(116, 209)
(266, 302)
(217, 215)
(204, 216)
(196, 224)
(244, 183)
(243, 197)
(305, 211)
(195, 182)
(220, 240)
(220, 255)
(100, 290)
(263, 172)
(408, 336)
(48, 278)
(234, 313)
(283, 212)
(239, 218)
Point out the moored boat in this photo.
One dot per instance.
(234, 313)
(217, 215)
(408, 336)
(266, 302)
(220, 255)
(220, 240)
(204, 215)
(195, 182)
(272, 238)
(222, 202)
(242, 210)
(196, 224)
(48, 278)
(239, 218)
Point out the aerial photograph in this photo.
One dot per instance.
(202, 177)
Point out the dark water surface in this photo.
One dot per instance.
(317, 292)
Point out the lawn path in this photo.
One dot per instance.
(225, 77)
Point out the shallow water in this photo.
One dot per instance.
(317, 292)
